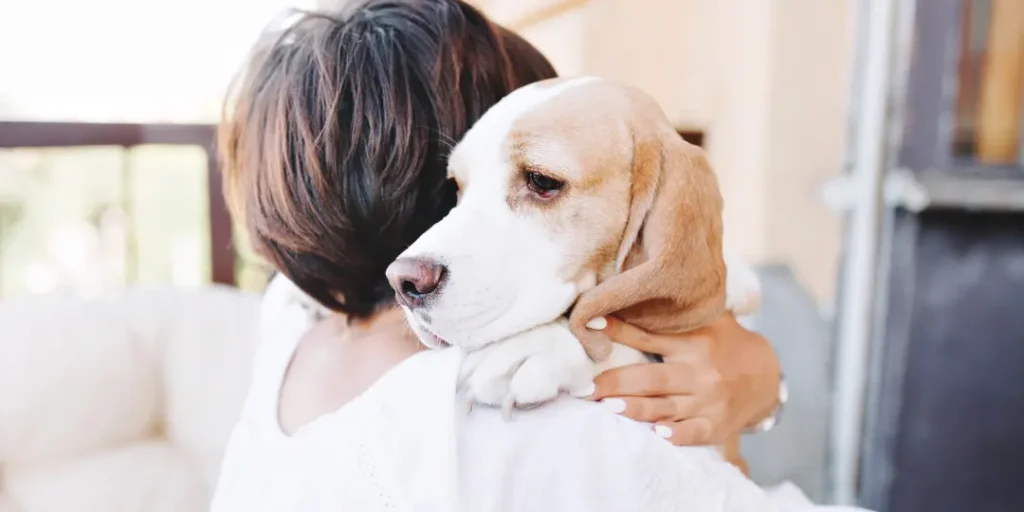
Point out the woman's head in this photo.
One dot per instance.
(336, 137)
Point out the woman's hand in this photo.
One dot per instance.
(714, 381)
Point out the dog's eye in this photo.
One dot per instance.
(544, 186)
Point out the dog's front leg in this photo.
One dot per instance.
(528, 369)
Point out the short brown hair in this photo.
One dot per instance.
(335, 140)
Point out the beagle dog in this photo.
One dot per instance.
(574, 195)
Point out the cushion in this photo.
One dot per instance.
(106, 400)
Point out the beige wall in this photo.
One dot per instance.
(765, 80)
(812, 58)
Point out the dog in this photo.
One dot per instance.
(575, 195)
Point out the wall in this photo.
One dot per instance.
(811, 66)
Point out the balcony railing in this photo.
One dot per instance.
(41, 135)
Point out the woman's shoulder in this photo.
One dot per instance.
(576, 455)
(580, 434)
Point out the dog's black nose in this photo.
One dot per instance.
(414, 279)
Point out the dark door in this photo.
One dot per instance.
(945, 424)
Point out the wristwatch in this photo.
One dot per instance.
(773, 419)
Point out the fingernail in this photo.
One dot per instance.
(598, 324)
(585, 391)
(663, 431)
(615, 405)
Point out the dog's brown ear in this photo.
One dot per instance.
(671, 269)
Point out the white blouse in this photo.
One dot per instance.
(409, 444)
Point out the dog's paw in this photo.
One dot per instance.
(528, 369)
(742, 287)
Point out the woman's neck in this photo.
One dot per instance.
(338, 359)
(385, 336)
(387, 324)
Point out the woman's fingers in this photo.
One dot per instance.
(690, 432)
(714, 380)
(629, 335)
(645, 380)
(653, 409)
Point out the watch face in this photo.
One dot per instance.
(765, 425)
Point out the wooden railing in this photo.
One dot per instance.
(73, 135)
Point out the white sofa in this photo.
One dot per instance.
(122, 403)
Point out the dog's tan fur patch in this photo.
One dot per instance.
(645, 212)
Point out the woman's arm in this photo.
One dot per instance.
(714, 382)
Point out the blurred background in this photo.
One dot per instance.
(869, 152)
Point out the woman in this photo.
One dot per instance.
(334, 149)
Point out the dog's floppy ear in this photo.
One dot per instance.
(671, 271)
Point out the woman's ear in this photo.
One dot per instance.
(672, 271)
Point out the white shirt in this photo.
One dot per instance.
(409, 444)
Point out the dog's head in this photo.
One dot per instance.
(561, 184)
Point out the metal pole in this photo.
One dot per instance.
(859, 280)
